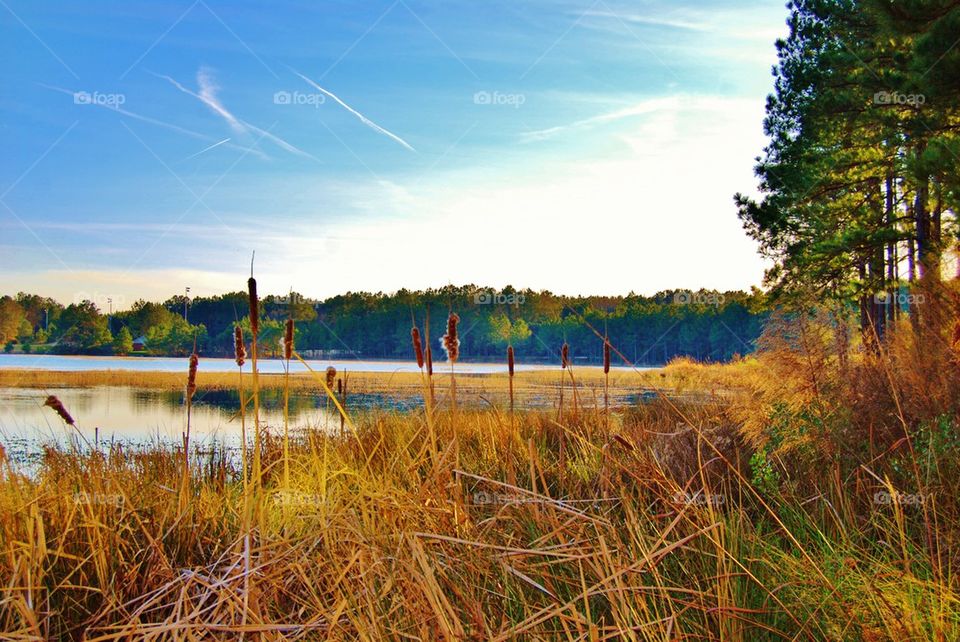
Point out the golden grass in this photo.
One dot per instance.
(360, 381)
(375, 538)
(646, 523)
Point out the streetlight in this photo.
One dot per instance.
(186, 297)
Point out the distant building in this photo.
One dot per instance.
(139, 344)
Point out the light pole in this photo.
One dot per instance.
(186, 297)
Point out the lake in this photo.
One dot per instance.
(135, 415)
(266, 366)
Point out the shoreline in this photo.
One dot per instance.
(358, 381)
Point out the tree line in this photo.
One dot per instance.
(706, 325)
(859, 182)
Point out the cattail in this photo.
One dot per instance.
(254, 306)
(417, 346)
(429, 361)
(606, 356)
(623, 442)
(57, 406)
(451, 344)
(340, 388)
(239, 352)
(331, 376)
(288, 340)
(510, 359)
(564, 355)
(192, 375)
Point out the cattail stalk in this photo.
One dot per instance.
(564, 353)
(240, 355)
(287, 355)
(451, 345)
(254, 330)
(417, 346)
(58, 407)
(426, 383)
(606, 382)
(428, 356)
(510, 373)
(331, 380)
(191, 390)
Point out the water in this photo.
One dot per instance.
(266, 366)
(140, 416)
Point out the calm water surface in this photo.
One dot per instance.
(266, 366)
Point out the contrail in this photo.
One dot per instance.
(207, 149)
(154, 121)
(366, 121)
(209, 98)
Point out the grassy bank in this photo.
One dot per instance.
(804, 494)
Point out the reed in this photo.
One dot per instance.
(564, 358)
(58, 407)
(185, 484)
(331, 378)
(254, 317)
(287, 355)
(427, 385)
(417, 346)
(510, 375)
(451, 345)
(240, 356)
(606, 382)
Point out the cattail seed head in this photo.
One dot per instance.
(510, 359)
(451, 344)
(429, 361)
(58, 408)
(192, 375)
(606, 356)
(340, 387)
(239, 352)
(254, 306)
(331, 377)
(288, 340)
(564, 355)
(417, 346)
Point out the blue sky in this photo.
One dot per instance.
(581, 146)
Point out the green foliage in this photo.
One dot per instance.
(706, 325)
(764, 477)
(81, 327)
(123, 342)
(860, 172)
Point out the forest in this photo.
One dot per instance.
(706, 325)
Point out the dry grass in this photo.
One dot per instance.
(741, 513)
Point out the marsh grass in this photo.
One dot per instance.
(785, 501)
